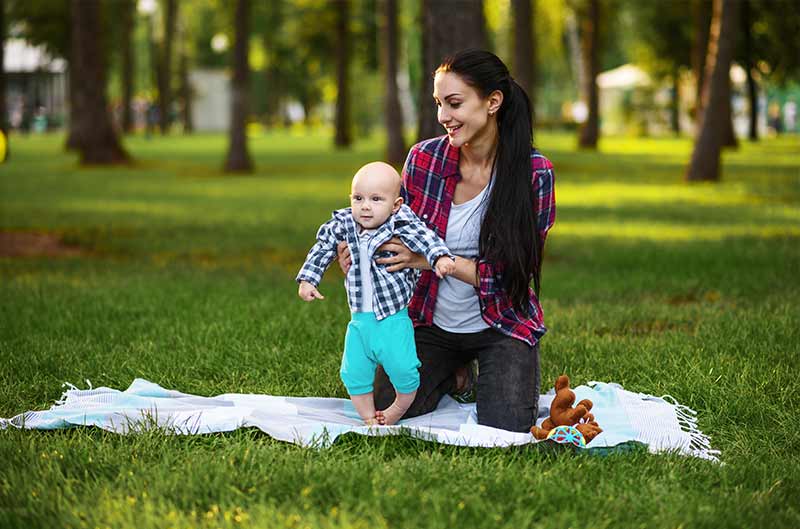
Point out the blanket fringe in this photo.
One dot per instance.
(700, 443)
(65, 396)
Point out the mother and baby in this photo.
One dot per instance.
(439, 262)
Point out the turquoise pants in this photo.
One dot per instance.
(388, 342)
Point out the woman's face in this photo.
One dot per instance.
(462, 111)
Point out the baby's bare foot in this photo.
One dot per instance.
(380, 417)
(392, 414)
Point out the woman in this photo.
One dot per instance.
(489, 194)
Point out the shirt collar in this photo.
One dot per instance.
(450, 160)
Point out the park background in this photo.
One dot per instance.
(168, 164)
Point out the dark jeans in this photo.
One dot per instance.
(508, 380)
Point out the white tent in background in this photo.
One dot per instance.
(36, 82)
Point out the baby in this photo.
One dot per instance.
(380, 331)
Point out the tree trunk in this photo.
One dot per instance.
(752, 89)
(729, 138)
(186, 95)
(524, 47)
(238, 159)
(448, 26)
(98, 142)
(704, 163)
(343, 137)
(589, 132)
(165, 67)
(128, 13)
(702, 20)
(675, 103)
(3, 110)
(74, 134)
(395, 148)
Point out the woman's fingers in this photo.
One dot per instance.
(343, 256)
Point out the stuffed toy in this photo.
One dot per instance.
(563, 414)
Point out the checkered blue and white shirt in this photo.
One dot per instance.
(391, 290)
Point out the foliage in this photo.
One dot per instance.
(776, 39)
(663, 33)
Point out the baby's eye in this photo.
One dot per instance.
(377, 199)
(357, 198)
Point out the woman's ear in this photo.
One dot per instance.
(397, 203)
(495, 101)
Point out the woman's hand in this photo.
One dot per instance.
(405, 258)
(343, 256)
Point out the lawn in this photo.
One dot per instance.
(184, 276)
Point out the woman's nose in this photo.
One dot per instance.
(443, 116)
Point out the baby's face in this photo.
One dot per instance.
(374, 196)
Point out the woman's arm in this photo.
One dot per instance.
(466, 269)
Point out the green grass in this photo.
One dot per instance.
(186, 280)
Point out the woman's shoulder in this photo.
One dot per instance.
(433, 157)
(540, 162)
(431, 146)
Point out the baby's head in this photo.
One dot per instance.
(375, 194)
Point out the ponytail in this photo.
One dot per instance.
(509, 235)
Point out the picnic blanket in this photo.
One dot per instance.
(659, 423)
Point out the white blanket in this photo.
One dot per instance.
(659, 423)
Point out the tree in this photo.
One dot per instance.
(127, 14)
(524, 64)
(701, 14)
(395, 149)
(590, 27)
(164, 67)
(702, 20)
(185, 92)
(747, 51)
(238, 159)
(98, 143)
(3, 110)
(665, 31)
(704, 163)
(343, 136)
(448, 26)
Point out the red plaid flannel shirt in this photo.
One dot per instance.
(430, 176)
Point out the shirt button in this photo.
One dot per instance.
(496, 325)
(425, 216)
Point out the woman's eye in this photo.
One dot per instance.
(455, 105)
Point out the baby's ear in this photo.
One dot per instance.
(397, 203)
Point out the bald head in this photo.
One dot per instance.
(375, 194)
(378, 175)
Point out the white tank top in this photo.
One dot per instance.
(457, 307)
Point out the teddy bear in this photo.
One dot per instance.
(563, 414)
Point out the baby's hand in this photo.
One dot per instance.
(309, 292)
(445, 266)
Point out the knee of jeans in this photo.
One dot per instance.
(505, 417)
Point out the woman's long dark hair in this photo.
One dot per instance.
(509, 233)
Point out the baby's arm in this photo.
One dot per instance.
(309, 292)
(445, 265)
(319, 258)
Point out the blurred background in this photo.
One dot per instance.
(351, 68)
